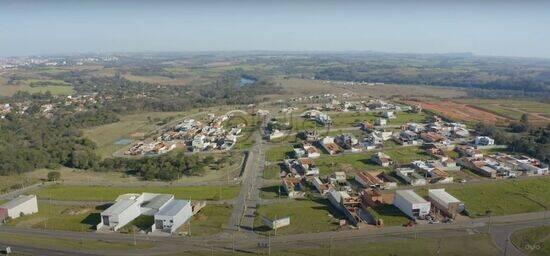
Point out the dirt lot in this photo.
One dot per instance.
(461, 111)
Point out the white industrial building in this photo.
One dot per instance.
(411, 204)
(172, 213)
(172, 216)
(445, 202)
(21, 205)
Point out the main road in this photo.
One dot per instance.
(244, 207)
(500, 228)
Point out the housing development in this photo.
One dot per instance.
(287, 128)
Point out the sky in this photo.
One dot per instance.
(501, 28)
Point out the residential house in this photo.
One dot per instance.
(375, 179)
(293, 187)
(381, 159)
(484, 141)
(411, 176)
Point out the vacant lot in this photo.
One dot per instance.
(533, 241)
(461, 111)
(209, 221)
(12, 182)
(481, 245)
(83, 177)
(506, 197)
(279, 153)
(390, 215)
(105, 193)
(61, 217)
(9, 90)
(72, 244)
(306, 216)
(401, 155)
(539, 112)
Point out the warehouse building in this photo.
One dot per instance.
(445, 202)
(172, 216)
(20, 206)
(125, 209)
(411, 204)
(171, 213)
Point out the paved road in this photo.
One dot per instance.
(500, 229)
(30, 250)
(244, 207)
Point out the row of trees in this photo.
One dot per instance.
(433, 75)
(164, 167)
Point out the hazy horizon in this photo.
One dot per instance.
(491, 28)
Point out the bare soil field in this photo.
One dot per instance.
(538, 112)
(461, 111)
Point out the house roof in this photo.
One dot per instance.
(410, 196)
(442, 195)
(118, 207)
(173, 207)
(158, 201)
(17, 201)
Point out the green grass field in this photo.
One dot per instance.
(533, 241)
(278, 153)
(390, 215)
(405, 155)
(210, 220)
(104, 193)
(506, 197)
(272, 172)
(60, 217)
(402, 155)
(53, 89)
(72, 244)
(12, 182)
(306, 216)
(480, 245)
(341, 120)
(329, 164)
(405, 117)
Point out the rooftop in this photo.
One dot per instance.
(17, 201)
(173, 207)
(410, 196)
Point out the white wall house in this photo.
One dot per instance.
(21, 205)
(411, 204)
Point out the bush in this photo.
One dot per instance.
(54, 176)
